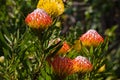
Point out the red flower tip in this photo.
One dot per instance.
(38, 19)
(91, 38)
(82, 64)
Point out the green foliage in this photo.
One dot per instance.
(25, 53)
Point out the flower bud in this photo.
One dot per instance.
(2, 59)
(102, 68)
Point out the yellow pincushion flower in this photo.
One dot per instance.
(53, 7)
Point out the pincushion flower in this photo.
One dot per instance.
(53, 7)
(64, 66)
(91, 38)
(38, 19)
(82, 64)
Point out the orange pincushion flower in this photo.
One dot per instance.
(82, 64)
(53, 7)
(38, 19)
(91, 38)
(62, 66)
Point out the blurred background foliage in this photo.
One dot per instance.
(21, 49)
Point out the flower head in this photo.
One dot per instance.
(38, 19)
(53, 7)
(91, 38)
(62, 66)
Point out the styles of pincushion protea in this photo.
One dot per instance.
(64, 66)
(53, 7)
(38, 19)
(82, 64)
(91, 38)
